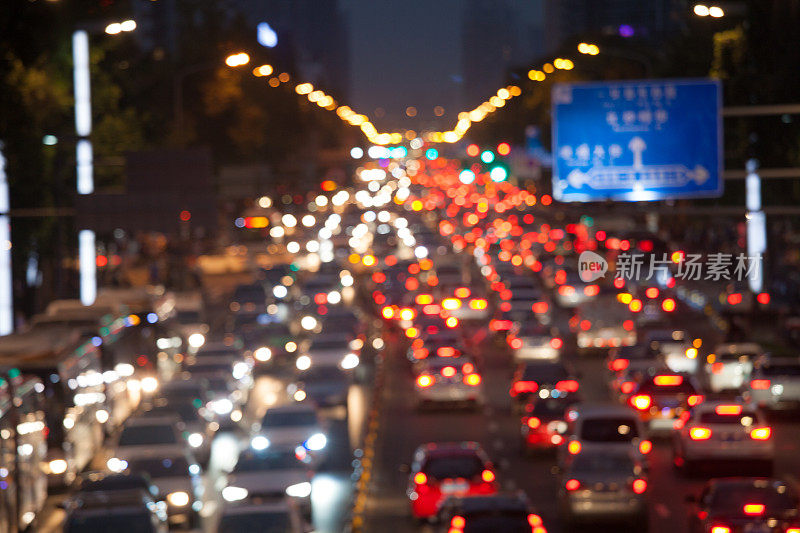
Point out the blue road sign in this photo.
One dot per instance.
(637, 140)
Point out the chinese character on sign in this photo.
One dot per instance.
(690, 268)
(629, 266)
(718, 266)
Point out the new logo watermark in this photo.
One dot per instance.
(591, 266)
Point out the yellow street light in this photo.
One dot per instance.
(263, 70)
(237, 60)
(548, 68)
(701, 10)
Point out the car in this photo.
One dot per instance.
(270, 516)
(722, 431)
(189, 319)
(661, 399)
(196, 429)
(604, 427)
(604, 486)
(532, 341)
(147, 437)
(730, 365)
(603, 322)
(249, 298)
(745, 504)
(545, 379)
(448, 380)
(268, 346)
(226, 395)
(180, 484)
(296, 425)
(543, 423)
(271, 473)
(115, 510)
(510, 513)
(447, 469)
(775, 384)
(98, 481)
(322, 386)
(674, 348)
(333, 350)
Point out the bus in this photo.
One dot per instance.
(23, 449)
(73, 395)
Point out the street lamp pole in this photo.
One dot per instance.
(6, 287)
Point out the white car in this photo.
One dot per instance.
(724, 431)
(448, 380)
(731, 364)
(295, 425)
(776, 384)
(674, 348)
(604, 427)
(271, 473)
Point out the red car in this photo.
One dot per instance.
(441, 470)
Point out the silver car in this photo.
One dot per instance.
(448, 380)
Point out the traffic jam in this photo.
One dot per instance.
(419, 351)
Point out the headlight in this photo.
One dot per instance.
(222, 406)
(299, 490)
(116, 465)
(334, 297)
(259, 442)
(196, 340)
(280, 291)
(149, 384)
(299, 395)
(101, 415)
(263, 354)
(124, 369)
(234, 494)
(57, 466)
(178, 499)
(349, 361)
(291, 346)
(303, 362)
(316, 442)
(195, 440)
(308, 322)
(236, 415)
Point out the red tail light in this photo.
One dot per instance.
(591, 290)
(572, 484)
(500, 325)
(695, 399)
(728, 410)
(700, 433)
(567, 385)
(735, 298)
(627, 387)
(534, 422)
(720, 529)
(668, 381)
(472, 379)
(566, 290)
(639, 486)
(760, 433)
(574, 447)
(759, 384)
(641, 402)
(645, 447)
(539, 308)
(556, 343)
(420, 478)
(425, 381)
(754, 509)
(320, 298)
(458, 522)
(524, 386)
(478, 304)
(534, 520)
(449, 371)
(446, 351)
(651, 292)
(462, 292)
(627, 325)
(487, 476)
(617, 365)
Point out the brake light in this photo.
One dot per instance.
(431, 309)
(586, 325)
(468, 368)
(699, 433)
(539, 308)
(668, 381)
(487, 476)
(462, 292)
(500, 325)
(567, 385)
(760, 433)
(627, 325)
(420, 478)
(451, 304)
(446, 351)
(651, 292)
(574, 447)
(728, 409)
(472, 379)
(735, 298)
(759, 384)
(534, 520)
(645, 447)
(591, 290)
(449, 371)
(534, 422)
(458, 522)
(668, 305)
(407, 314)
(421, 353)
(566, 290)
(387, 312)
(639, 486)
(695, 399)
(626, 387)
(754, 509)
(425, 381)
(572, 484)
(720, 529)
(524, 386)
(451, 322)
(320, 298)
(478, 304)
(618, 365)
(515, 343)
(556, 343)
(716, 368)
(641, 401)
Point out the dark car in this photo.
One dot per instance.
(543, 379)
(509, 513)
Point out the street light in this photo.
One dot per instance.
(705, 11)
(589, 49)
(237, 60)
(84, 164)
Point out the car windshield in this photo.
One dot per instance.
(262, 521)
(142, 435)
(270, 460)
(612, 429)
(453, 466)
(116, 520)
(157, 467)
(288, 419)
(731, 499)
(501, 520)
